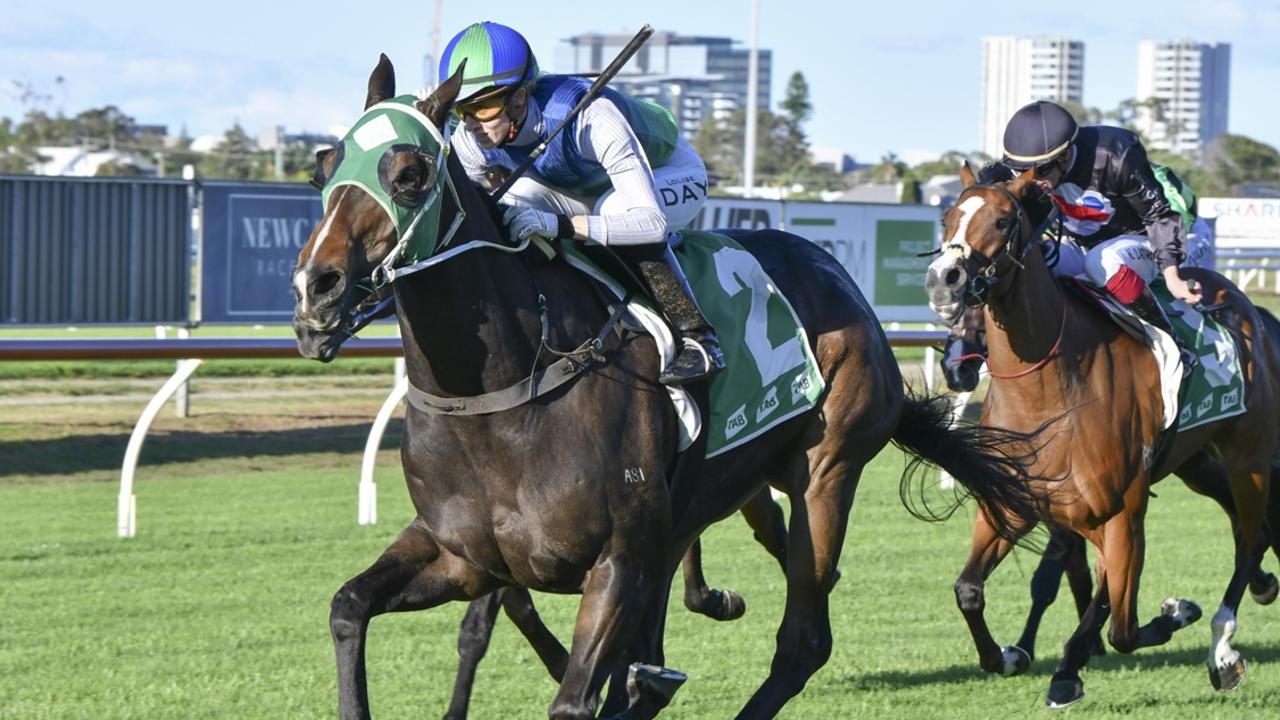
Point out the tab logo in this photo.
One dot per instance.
(1184, 415)
(1230, 400)
(769, 404)
(801, 386)
(736, 422)
(1205, 406)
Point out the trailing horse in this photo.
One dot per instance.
(567, 492)
(1058, 363)
(963, 357)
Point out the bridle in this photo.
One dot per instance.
(978, 286)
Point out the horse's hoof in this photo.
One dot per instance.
(1228, 678)
(1183, 612)
(1016, 661)
(657, 685)
(721, 605)
(1064, 691)
(1266, 594)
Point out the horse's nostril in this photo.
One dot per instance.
(954, 277)
(325, 283)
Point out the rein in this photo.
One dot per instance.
(1053, 352)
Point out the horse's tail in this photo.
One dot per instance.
(990, 464)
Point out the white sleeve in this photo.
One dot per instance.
(469, 155)
(605, 136)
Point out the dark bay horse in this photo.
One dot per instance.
(1057, 363)
(963, 357)
(568, 492)
(768, 526)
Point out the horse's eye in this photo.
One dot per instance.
(1003, 223)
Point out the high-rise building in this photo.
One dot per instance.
(1019, 70)
(1193, 81)
(696, 77)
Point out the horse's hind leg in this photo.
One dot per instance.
(768, 524)
(414, 573)
(770, 530)
(1208, 477)
(817, 531)
(703, 599)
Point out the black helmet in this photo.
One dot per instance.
(1037, 134)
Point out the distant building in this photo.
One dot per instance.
(1194, 81)
(697, 77)
(837, 160)
(1020, 70)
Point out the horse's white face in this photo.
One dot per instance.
(975, 231)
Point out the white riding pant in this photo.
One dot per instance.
(680, 185)
(1106, 258)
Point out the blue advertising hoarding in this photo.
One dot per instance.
(252, 233)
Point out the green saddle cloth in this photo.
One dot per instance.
(770, 373)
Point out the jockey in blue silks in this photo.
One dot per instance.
(618, 175)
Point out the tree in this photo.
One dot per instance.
(796, 106)
(1239, 159)
(235, 158)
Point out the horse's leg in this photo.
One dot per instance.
(985, 553)
(473, 641)
(518, 604)
(1079, 577)
(414, 573)
(819, 518)
(1208, 477)
(1249, 488)
(1120, 555)
(1066, 687)
(768, 524)
(1064, 553)
(615, 597)
(477, 628)
(704, 600)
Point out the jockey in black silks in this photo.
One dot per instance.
(619, 175)
(1124, 221)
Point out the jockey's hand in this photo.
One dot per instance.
(1179, 288)
(526, 221)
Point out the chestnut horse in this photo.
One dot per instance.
(963, 356)
(1060, 364)
(568, 492)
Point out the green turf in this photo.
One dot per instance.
(219, 607)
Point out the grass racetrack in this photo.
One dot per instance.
(219, 608)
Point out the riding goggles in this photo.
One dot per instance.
(482, 110)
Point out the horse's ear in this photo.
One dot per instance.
(967, 177)
(382, 82)
(436, 106)
(1019, 185)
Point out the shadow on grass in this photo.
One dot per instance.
(1045, 665)
(105, 451)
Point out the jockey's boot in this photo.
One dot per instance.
(699, 355)
(1147, 308)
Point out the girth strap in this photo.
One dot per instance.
(539, 383)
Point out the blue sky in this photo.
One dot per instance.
(898, 76)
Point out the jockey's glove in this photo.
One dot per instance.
(526, 221)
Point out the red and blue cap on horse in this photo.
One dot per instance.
(619, 176)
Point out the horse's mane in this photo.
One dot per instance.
(484, 216)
